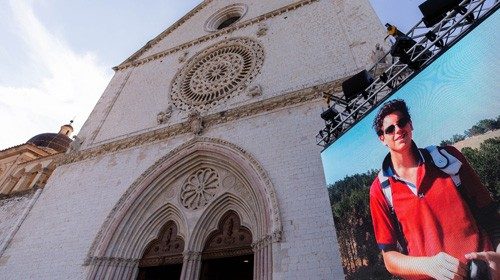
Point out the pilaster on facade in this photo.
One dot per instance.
(191, 267)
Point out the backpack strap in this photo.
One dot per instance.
(385, 185)
(488, 217)
(444, 161)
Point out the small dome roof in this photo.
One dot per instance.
(56, 141)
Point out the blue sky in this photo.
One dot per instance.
(56, 56)
(448, 97)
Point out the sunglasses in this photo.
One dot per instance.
(400, 123)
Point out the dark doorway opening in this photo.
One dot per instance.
(230, 268)
(162, 258)
(172, 272)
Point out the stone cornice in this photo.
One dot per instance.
(130, 62)
(26, 193)
(55, 157)
(271, 104)
(112, 260)
(23, 148)
(164, 34)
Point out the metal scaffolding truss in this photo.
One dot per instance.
(388, 77)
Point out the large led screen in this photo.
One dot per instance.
(454, 102)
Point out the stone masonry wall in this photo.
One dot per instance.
(304, 47)
(10, 211)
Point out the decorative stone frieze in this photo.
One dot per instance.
(277, 235)
(192, 256)
(230, 239)
(111, 260)
(166, 249)
(228, 181)
(282, 101)
(165, 33)
(133, 61)
(263, 242)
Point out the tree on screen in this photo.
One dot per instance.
(486, 162)
(479, 128)
(349, 199)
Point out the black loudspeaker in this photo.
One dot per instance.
(356, 85)
(435, 10)
(402, 45)
(330, 114)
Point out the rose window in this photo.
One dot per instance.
(199, 188)
(217, 73)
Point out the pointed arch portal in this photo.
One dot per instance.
(207, 210)
(228, 253)
(162, 258)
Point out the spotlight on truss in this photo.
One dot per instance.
(356, 85)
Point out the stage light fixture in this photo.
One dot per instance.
(384, 78)
(462, 10)
(329, 115)
(432, 37)
(321, 133)
(348, 108)
(435, 10)
(356, 85)
(402, 45)
(325, 134)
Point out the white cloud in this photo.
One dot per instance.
(70, 86)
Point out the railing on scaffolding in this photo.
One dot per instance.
(430, 42)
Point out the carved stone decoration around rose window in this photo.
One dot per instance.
(262, 31)
(254, 91)
(163, 116)
(217, 73)
(195, 122)
(183, 56)
(199, 188)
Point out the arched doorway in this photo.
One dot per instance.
(162, 258)
(162, 193)
(228, 252)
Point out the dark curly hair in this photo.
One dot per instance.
(388, 108)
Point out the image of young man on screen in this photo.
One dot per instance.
(429, 208)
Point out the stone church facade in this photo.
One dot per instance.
(199, 160)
